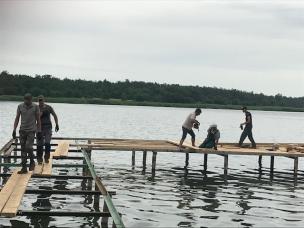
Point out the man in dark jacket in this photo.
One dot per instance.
(212, 138)
(46, 128)
(247, 132)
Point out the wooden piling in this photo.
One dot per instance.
(187, 160)
(144, 159)
(225, 163)
(296, 165)
(271, 164)
(205, 161)
(154, 161)
(133, 158)
(260, 161)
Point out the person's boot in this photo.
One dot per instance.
(23, 170)
(32, 166)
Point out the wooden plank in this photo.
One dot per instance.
(61, 151)
(11, 207)
(38, 169)
(184, 145)
(62, 148)
(47, 167)
(8, 188)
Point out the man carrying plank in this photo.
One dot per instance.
(30, 124)
(189, 123)
(46, 128)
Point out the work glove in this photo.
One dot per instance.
(39, 135)
(14, 134)
(57, 128)
(241, 126)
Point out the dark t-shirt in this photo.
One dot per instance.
(248, 116)
(45, 116)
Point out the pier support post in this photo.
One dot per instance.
(144, 159)
(154, 161)
(96, 199)
(105, 220)
(205, 161)
(271, 164)
(225, 164)
(260, 161)
(187, 160)
(296, 164)
(133, 158)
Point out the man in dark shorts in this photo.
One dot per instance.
(188, 125)
(248, 129)
(30, 124)
(44, 144)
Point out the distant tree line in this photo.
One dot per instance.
(137, 91)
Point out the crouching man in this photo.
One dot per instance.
(44, 144)
(212, 138)
(30, 124)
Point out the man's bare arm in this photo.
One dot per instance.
(16, 120)
(55, 116)
(38, 121)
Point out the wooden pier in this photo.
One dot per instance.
(80, 149)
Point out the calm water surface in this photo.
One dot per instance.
(174, 197)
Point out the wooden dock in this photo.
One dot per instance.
(16, 186)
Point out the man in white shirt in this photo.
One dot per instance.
(188, 125)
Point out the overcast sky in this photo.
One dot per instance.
(249, 45)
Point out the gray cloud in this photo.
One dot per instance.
(254, 46)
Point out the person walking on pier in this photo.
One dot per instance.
(247, 131)
(30, 124)
(189, 123)
(46, 128)
(212, 138)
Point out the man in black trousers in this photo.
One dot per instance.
(248, 128)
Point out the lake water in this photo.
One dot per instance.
(175, 197)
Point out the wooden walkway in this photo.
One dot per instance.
(264, 149)
(16, 186)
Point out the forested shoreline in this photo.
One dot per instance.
(13, 86)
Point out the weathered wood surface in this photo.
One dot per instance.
(11, 207)
(264, 149)
(12, 193)
(61, 151)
